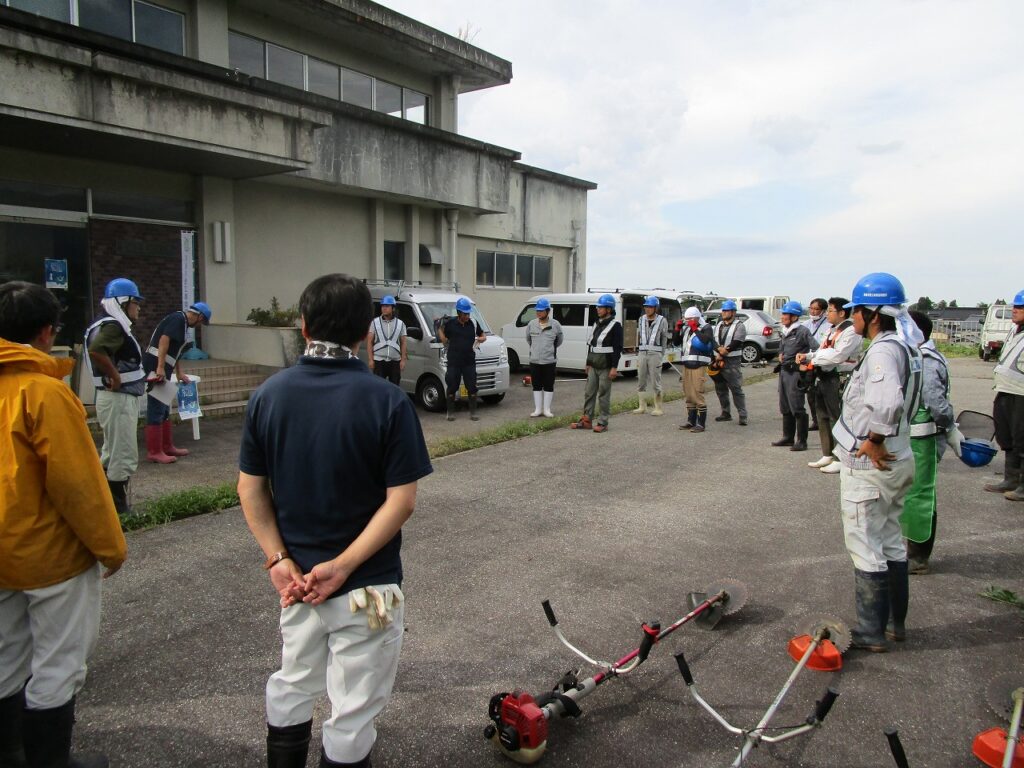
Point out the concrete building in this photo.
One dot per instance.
(235, 149)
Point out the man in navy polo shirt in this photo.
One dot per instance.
(330, 459)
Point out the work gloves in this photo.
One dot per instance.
(953, 438)
(378, 605)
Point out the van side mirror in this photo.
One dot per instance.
(415, 333)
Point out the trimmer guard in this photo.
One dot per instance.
(990, 747)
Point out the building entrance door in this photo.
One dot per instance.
(24, 249)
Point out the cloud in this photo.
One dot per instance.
(881, 149)
(786, 135)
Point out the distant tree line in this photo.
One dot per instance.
(925, 304)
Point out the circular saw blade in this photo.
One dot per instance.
(838, 632)
(735, 594)
(1000, 693)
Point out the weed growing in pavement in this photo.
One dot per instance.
(182, 504)
(1001, 595)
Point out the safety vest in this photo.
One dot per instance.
(730, 334)
(923, 423)
(649, 332)
(169, 360)
(689, 354)
(382, 342)
(830, 343)
(911, 385)
(597, 344)
(1011, 359)
(127, 360)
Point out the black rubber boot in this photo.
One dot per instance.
(872, 598)
(899, 600)
(326, 762)
(1011, 475)
(691, 419)
(788, 431)
(12, 754)
(472, 408)
(702, 418)
(119, 490)
(801, 433)
(288, 745)
(724, 416)
(451, 407)
(46, 734)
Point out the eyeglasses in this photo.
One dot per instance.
(57, 328)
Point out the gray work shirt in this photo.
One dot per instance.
(543, 341)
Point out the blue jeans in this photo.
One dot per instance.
(156, 412)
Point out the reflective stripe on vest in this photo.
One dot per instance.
(1010, 358)
(653, 329)
(168, 359)
(382, 341)
(599, 346)
(730, 334)
(130, 374)
(911, 386)
(692, 357)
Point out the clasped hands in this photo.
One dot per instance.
(311, 588)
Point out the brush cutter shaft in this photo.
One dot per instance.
(557, 709)
(1013, 734)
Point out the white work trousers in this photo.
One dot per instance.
(649, 365)
(327, 647)
(118, 415)
(48, 634)
(872, 502)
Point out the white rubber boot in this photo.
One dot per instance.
(642, 397)
(658, 400)
(548, 397)
(822, 462)
(538, 399)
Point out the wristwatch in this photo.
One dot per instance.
(274, 559)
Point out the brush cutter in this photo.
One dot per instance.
(820, 648)
(998, 747)
(519, 726)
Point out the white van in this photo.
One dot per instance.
(576, 312)
(770, 304)
(422, 308)
(993, 333)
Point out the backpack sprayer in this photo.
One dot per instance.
(819, 648)
(519, 726)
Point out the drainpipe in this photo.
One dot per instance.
(452, 216)
(574, 257)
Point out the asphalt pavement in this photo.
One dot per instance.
(614, 529)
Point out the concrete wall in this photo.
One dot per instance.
(249, 344)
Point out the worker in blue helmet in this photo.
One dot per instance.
(730, 334)
(796, 340)
(387, 343)
(161, 360)
(651, 337)
(1008, 406)
(543, 337)
(603, 351)
(461, 335)
(873, 437)
(114, 359)
(818, 324)
(696, 339)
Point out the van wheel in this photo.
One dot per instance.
(430, 394)
(751, 352)
(513, 360)
(493, 399)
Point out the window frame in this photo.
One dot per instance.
(533, 286)
(74, 18)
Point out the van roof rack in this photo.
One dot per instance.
(401, 285)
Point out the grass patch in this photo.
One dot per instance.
(1000, 595)
(958, 350)
(182, 504)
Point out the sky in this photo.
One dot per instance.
(769, 147)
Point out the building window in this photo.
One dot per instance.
(137, 206)
(59, 10)
(394, 260)
(135, 20)
(282, 65)
(159, 28)
(512, 270)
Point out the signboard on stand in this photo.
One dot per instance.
(56, 271)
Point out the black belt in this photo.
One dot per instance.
(833, 374)
(790, 367)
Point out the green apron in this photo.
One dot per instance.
(919, 504)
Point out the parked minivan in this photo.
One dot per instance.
(770, 304)
(993, 333)
(576, 312)
(422, 308)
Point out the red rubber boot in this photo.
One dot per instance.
(168, 441)
(154, 445)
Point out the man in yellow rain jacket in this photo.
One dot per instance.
(57, 526)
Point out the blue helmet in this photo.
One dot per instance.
(728, 304)
(202, 308)
(791, 308)
(652, 301)
(387, 301)
(877, 289)
(1018, 300)
(976, 452)
(463, 305)
(542, 304)
(121, 287)
(606, 300)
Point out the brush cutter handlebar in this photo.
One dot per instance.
(822, 707)
(896, 747)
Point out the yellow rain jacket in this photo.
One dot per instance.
(57, 517)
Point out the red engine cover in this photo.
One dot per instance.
(521, 712)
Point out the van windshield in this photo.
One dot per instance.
(436, 311)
